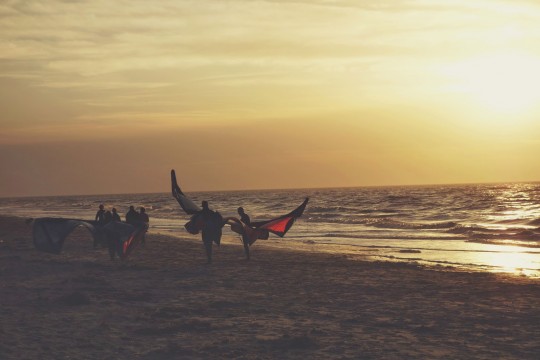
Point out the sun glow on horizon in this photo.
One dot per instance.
(331, 93)
(502, 83)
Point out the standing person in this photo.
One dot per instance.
(115, 216)
(247, 221)
(211, 228)
(100, 215)
(145, 221)
(107, 217)
(132, 216)
(100, 219)
(243, 216)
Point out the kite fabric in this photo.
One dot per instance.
(256, 230)
(187, 205)
(281, 224)
(49, 234)
(259, 230)
(134, 237)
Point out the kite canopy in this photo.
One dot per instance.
(187, 205)
(49, 234)
(281, 224)
(250, 233)
(261, 229)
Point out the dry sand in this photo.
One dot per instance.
(166, 303)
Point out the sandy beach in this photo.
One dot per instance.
(165, 302)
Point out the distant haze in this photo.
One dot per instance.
(107, 97)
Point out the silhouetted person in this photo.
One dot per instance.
(247, 221)
(143, 216)
(100, 214)
(211, 228)
(111, 236)
(115, 216)
(100, 219)
(145, 221)
(107, 218)
(245, 238)
(243, 216)
(132, 216)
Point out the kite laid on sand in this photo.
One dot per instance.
(49, 235)
(250, 233)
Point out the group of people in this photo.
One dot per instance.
(132, 216)
(209, 222)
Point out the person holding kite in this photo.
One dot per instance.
(210, 222)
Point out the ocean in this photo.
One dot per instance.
(482, 227)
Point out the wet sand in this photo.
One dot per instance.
(294, 303)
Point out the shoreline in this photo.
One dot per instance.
(510, 259)
(369, 253)
(165, 302)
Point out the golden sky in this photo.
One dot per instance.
(108, 96)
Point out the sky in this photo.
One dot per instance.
(102, 97)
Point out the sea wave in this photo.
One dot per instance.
(523, 235)
(465, 229)
(516, 242)
(399, 236)
(390, 223)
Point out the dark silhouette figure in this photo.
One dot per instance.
(243, 216)
(115, 216)
(110, 238)
(132, 216)
(100, 214)
(104, 219)
(211, 228)
(107, 218)
(145, 221)
(245, 239)
(100, 219)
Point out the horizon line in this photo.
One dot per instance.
(287, 189)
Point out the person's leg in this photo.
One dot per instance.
(217, 237)
(207, 242)
(245, 241)
(112, 248)
(208, 248)
(143, 238)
